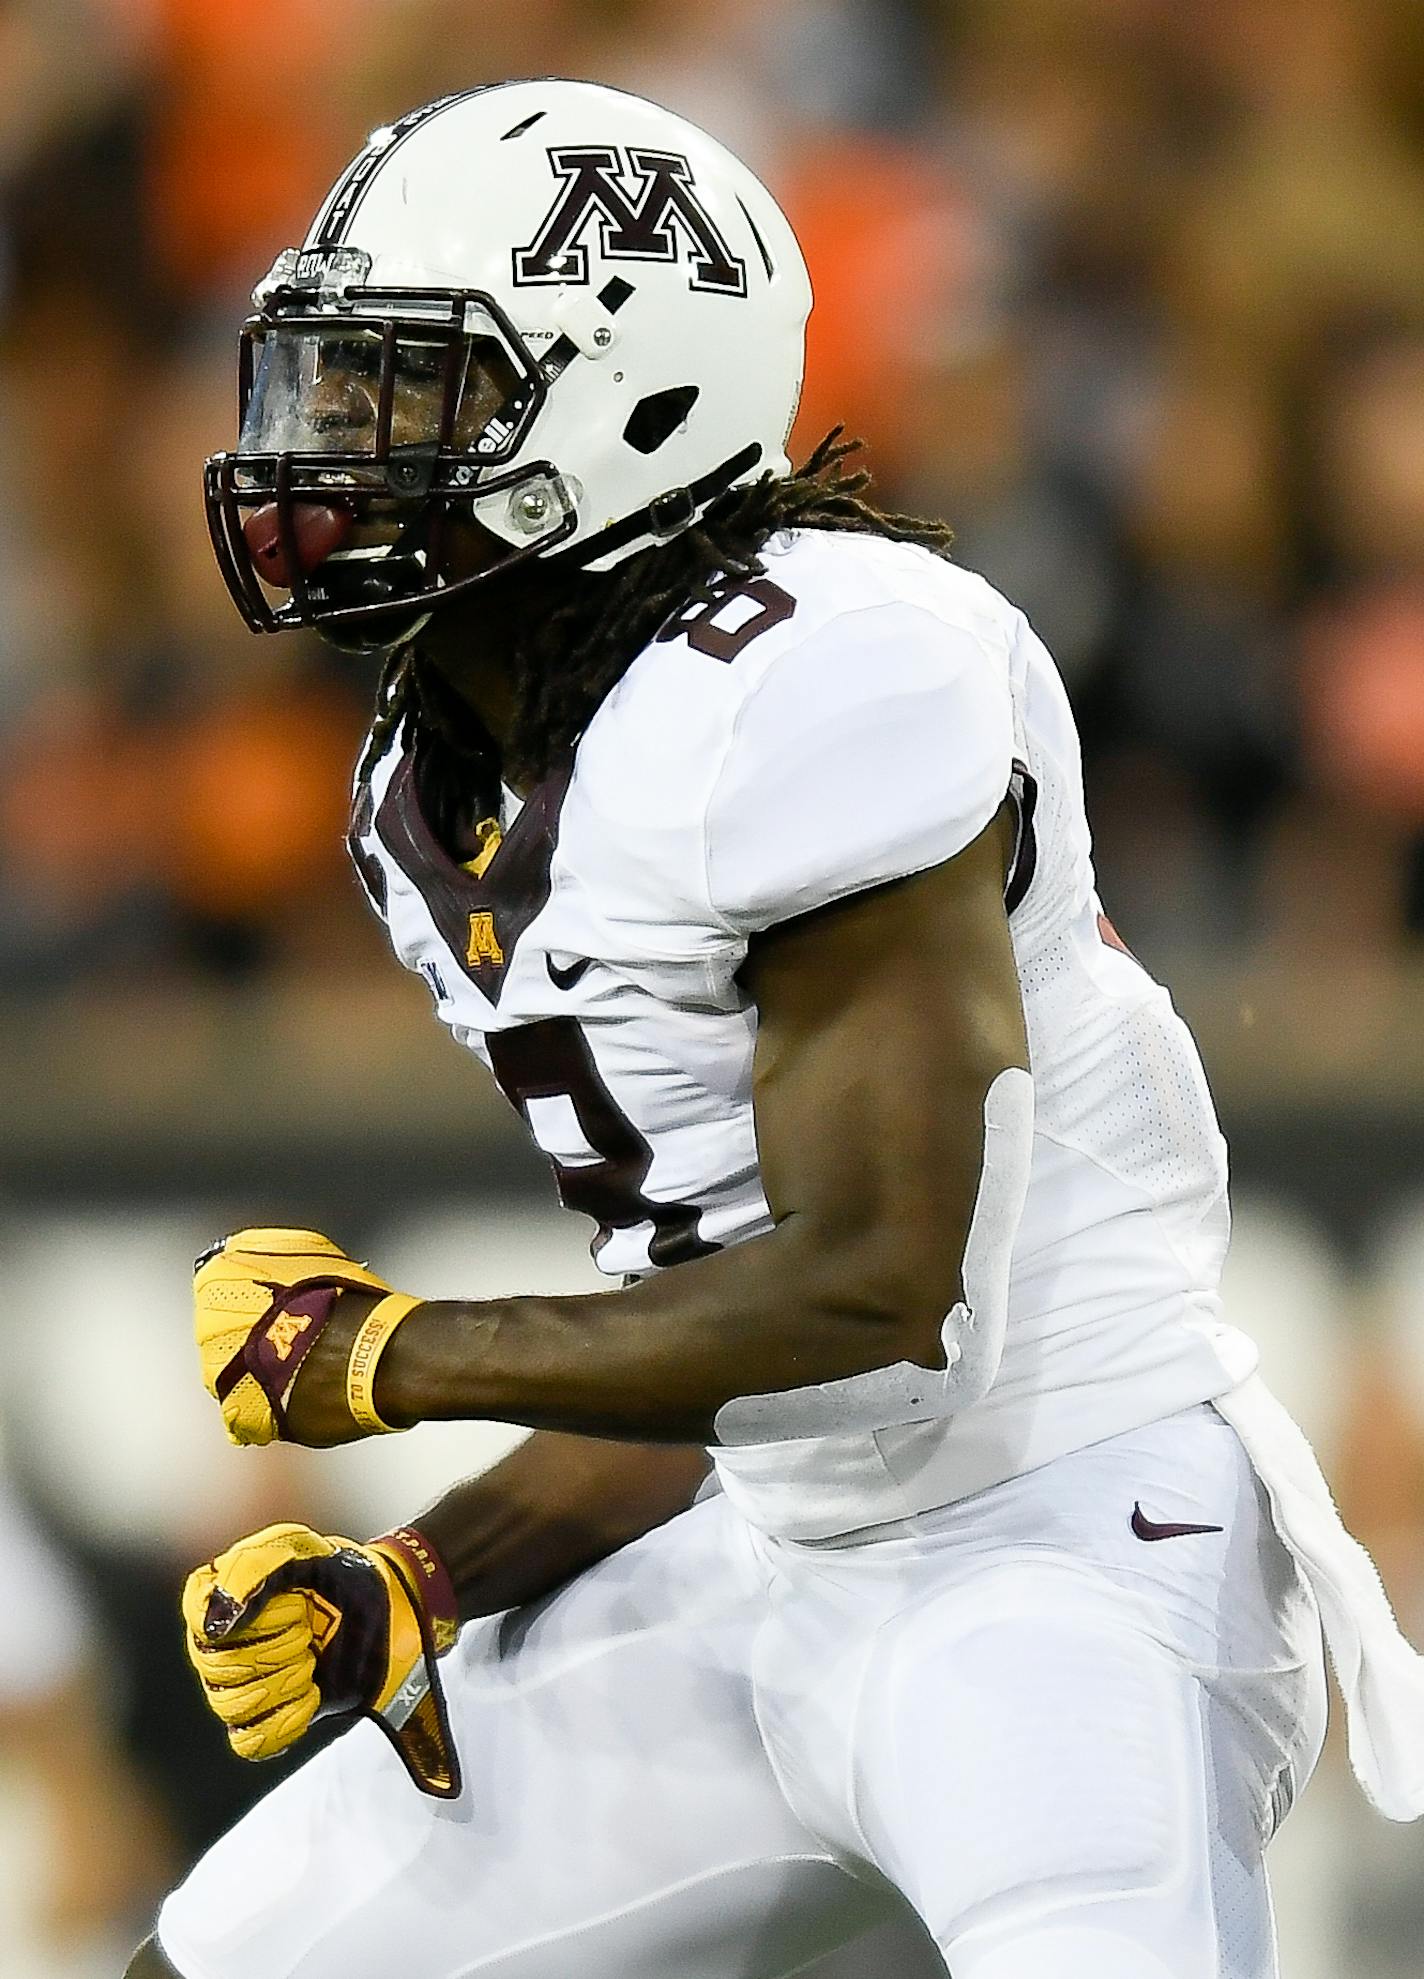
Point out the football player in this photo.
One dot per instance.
(741, 836)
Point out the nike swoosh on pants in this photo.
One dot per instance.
(1146, 1528)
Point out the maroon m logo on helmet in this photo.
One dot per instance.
(645, 227)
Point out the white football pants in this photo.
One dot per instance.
(719, 1756)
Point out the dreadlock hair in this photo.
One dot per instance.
(574, 633)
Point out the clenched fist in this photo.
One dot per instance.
(287, 1627)
(262, 1300)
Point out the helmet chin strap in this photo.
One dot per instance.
(349, 640)
(354, 578)
(669, 514)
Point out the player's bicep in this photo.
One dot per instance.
(886, 1023)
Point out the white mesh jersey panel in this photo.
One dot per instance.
(856, 715)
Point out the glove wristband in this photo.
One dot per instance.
(372, 1339)
(417, 1560)
(416, 1719)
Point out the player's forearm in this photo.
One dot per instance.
(555, 1506)
(658, 1360)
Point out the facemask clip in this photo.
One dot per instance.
(410, 471)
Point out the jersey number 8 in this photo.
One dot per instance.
(551, 1059)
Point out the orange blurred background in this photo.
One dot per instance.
(1131, 294)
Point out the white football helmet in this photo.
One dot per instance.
(551, 306)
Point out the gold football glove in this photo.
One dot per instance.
(287, 1627)
(261, 1300)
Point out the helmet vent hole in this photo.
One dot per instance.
(527, 125)
(762, 248)
(654, 420)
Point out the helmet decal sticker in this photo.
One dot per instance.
(349, 190)
(643, 226)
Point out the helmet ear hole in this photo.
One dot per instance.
(655, 419)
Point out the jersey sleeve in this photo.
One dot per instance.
(880, 746)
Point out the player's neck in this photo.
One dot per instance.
(469, 648)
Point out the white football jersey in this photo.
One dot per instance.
(857, 714)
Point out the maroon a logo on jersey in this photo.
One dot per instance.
(644, 227)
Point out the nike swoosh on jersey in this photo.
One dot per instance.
(565, 979)
(1146, 1528)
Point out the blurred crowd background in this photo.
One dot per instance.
(1130, 292)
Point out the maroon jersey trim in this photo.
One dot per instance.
(481, 920)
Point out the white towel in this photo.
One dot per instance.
(1380, 1676)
